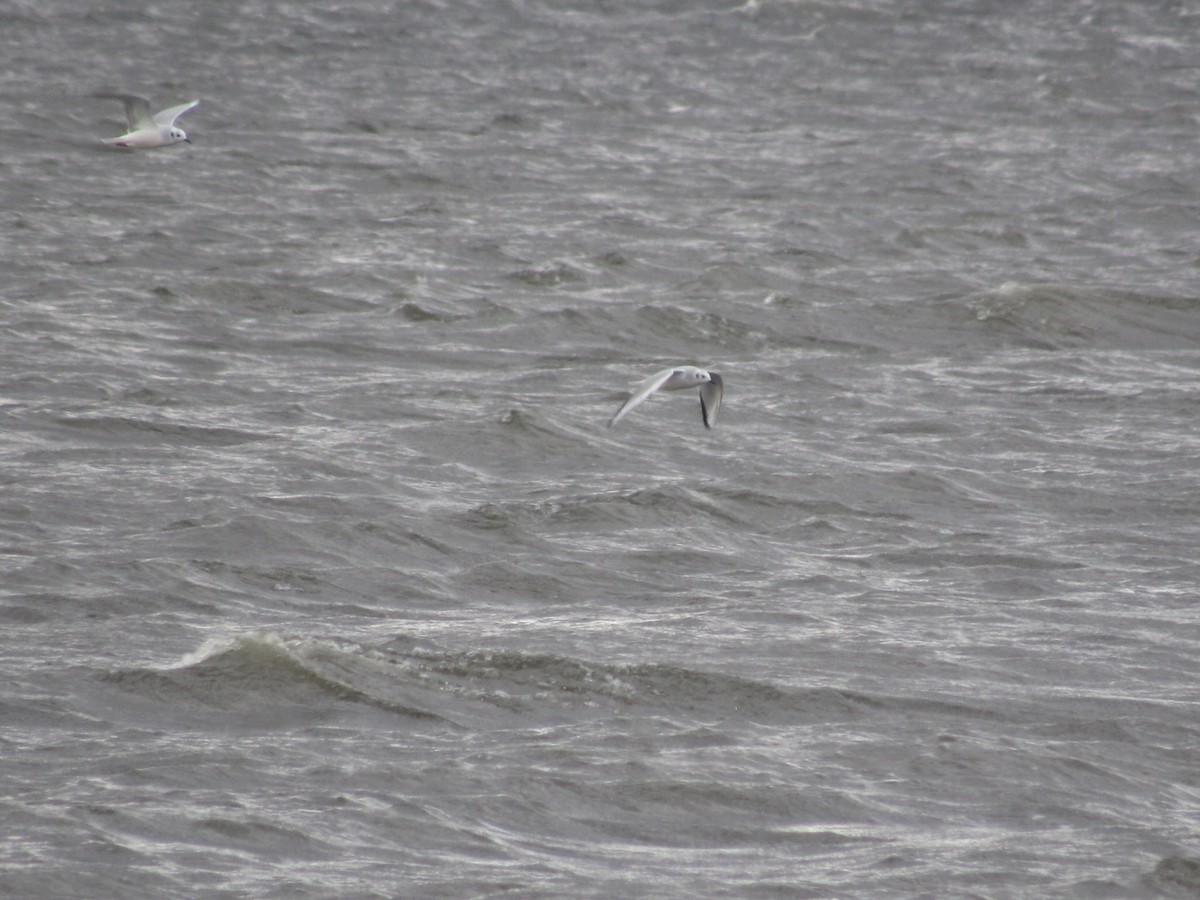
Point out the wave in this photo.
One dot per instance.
(1063, 316)
(1030, 315)
(127, 428)
(266, 678)
(665, 505)
(277, 681)
(1174, 876)
(1034, 316)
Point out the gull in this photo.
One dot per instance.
(676, 379)
(146, 130)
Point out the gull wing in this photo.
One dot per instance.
(710, 399)
(167, 117)
(645, 389)
(137, 109)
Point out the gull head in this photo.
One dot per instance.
(178, 134)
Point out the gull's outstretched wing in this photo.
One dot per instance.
(645, 389)
(167, 117)
(137, 109)
(710, 399)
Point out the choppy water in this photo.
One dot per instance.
(321, 575)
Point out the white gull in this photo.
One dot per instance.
(146, 130)
(676, 379)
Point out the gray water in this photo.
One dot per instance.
(323, 577)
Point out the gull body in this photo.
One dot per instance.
(148, 130)
(677, 379)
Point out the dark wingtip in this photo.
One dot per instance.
(714, 378)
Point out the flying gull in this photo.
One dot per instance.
(676, 379)
(146, 130)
